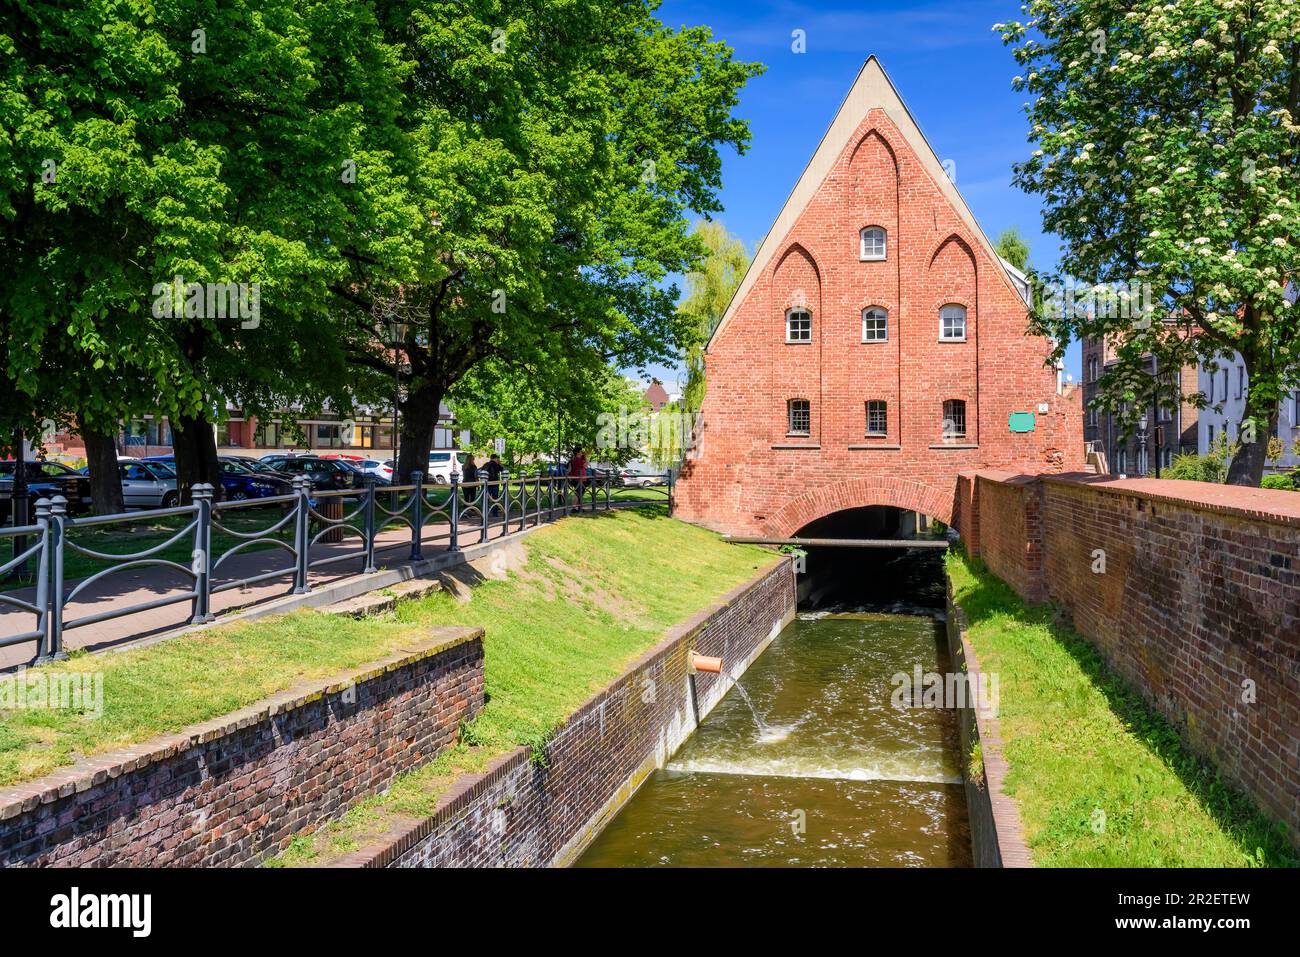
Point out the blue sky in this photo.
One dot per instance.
(950, 67)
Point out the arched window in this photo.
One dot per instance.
(875, 325)
(798, 325)
(872, 243)
(799, 414)
(954, 419)
(952, 323)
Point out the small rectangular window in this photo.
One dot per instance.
(952, 324)
(877, 417)
(875, 325)
(1241, 381)
(954, 419)
(800, 416)
(873, 243)
(798, 326)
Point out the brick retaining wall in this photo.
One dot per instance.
(235, 789)
(1197, 605)
(520, 814)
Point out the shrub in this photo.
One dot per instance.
(1190, 467)
(1278, 481)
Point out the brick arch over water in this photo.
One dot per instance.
(932, 500)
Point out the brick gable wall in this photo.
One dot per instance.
(746, 469)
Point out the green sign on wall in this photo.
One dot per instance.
(1021, 421)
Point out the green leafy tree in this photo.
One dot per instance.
(1168, 137)
(709, 289)
(554, 150)
(1012, 247)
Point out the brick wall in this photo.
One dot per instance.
(749, 476)
(1199, 596)
(519, 814)
(237, 788)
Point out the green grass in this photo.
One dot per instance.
(595, 593)
(1102, 779)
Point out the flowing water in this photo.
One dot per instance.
(809, 764)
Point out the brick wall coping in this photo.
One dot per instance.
(97, 768)
(1277, 506)
(469, 786)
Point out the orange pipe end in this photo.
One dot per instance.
(706, 663)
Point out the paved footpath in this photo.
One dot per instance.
(138, 586)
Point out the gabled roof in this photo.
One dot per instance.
(871, 90)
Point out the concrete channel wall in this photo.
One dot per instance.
(543, 810)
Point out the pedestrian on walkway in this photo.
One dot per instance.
(492, 473)
(469, 475)
(578, 473)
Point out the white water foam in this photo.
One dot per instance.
(787, 769)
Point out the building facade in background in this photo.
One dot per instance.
(876, 347)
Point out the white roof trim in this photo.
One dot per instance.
(872, 89)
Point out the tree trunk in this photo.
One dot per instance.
(419, 419)
(1247, 465)
(195, 446)
(105, 480)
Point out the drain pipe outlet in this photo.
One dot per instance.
(706, 663)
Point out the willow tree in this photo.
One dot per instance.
(554, 151)
(1168, 141)
(709, 288)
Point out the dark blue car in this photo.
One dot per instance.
(238, 482)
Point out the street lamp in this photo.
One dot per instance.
(396, 332)
(1142, 437)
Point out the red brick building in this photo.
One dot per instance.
(876, 347)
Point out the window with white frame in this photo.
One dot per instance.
(798, 326)
(952, 323)
(799, 415)
(875, 325)
(1241, 381)
(954, 419)
(872, 243)
(877, 417)
(1121, 461)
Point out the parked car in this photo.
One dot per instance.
(257, 466)
(382, 471)
(147, 484)
(238, 482)
(442, 462)
(325, 474)
(45, 480)
(640, 475)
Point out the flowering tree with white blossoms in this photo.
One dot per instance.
(1168, 154)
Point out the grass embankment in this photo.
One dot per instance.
(1102, 779)
(580, 600)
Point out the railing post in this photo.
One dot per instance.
(505, 504)
(670, 492)
(523, 502)
(564, 494)
(483, 509)
(301, 533)
(201, 495)
(608, 479)
(43, 577)
(417, 515)
(368, 528)
(453, 513)
(57, 532)
(550, 497)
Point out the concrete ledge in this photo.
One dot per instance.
(384, 600)
(997, 835)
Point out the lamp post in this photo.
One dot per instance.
(396, 331)
(1142, 436)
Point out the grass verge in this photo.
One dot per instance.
(1102, 779)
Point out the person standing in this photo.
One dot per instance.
(469, 475)
(492, 474)
(578, 473)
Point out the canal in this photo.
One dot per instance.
(807, 762)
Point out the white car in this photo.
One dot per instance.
(443, 462)
(380, 470)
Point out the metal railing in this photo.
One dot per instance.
(447, 515)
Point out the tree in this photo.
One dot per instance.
(709, 290)
(1012, 247)
(148, 152)
(1168, 136)
(552, 150)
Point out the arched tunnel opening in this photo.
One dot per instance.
(876, 578)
